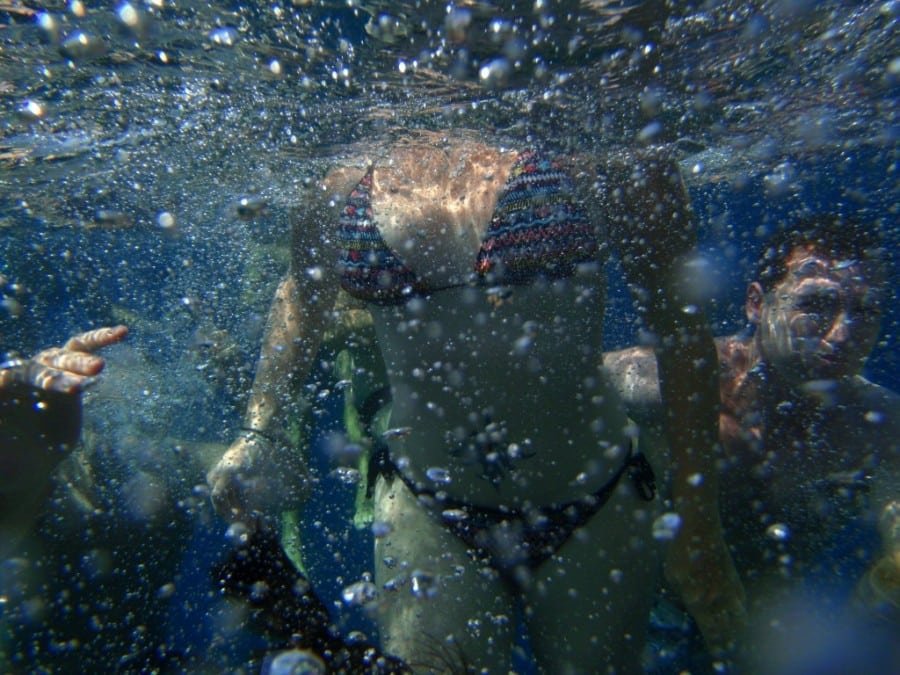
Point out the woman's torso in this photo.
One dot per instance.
(498, 392)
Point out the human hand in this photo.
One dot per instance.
(250, 481)
(878, 592)
(700, 569)
(40, 423)
(67, 369)
(231, 481)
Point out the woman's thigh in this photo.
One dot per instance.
(588, 606)
(438, 610)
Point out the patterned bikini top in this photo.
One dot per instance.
(537, 230)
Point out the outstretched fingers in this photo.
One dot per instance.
(76, 363)
(52, 379)
(68, 369)
(96, 339)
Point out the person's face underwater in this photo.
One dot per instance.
(821, 320)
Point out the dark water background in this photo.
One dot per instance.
(780, 109)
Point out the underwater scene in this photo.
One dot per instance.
(538, 336)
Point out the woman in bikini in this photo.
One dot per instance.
(510, 473)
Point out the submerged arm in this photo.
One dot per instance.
(293, 331)
(260, 472)
(655, 232)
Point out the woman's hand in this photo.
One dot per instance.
(255, 477)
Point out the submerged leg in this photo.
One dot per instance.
(439, 611)
(588, 606)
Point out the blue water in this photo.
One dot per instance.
(194, 134)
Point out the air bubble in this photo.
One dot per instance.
(48, 24)
(396, 432)
(422, 584)
(249, 208)
(495, 73)
(237, 533)
(32, 110)
(381, 529)
(259, 590)
(649, 132)
(295, 661)
(523, 345)
(874, 417)
(346, 475)
(781, 179)
(457, 23)
(666, 526)
(128, 15)
(225, 36)
(453, 515)
(165, 220)
(359, 594)
(80, 45)
(778, 532)
(166, 591)
(438, 475)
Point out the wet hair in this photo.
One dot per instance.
(834, 236)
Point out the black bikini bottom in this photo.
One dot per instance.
(510, 539)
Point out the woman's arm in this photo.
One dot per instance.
(655, 234)
(260, 473)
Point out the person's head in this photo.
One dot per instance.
(817, 299)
